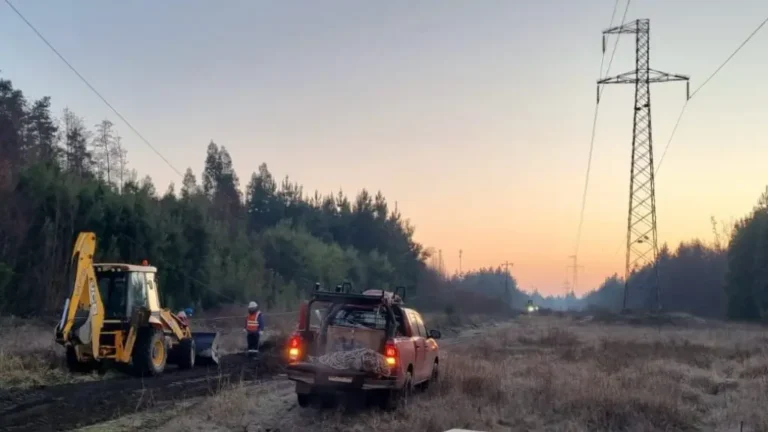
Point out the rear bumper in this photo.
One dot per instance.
(310, 378)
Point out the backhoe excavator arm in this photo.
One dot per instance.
(84, 295)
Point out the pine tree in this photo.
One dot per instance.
(103, 143)
(42, 134)
(189, 184)
(212, 170)
(119, 155)
(77, 159)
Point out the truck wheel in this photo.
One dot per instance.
(399, 398)
(304, 399)
(185, 354)
(433, 377)
(150, 353)
(76, 366)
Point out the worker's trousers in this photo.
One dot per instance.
(253, 342)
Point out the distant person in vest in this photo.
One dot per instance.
(254, 324)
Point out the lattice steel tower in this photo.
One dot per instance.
(642, 247)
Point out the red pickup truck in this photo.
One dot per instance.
(368, 343)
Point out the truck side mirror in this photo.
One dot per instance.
(434, 334)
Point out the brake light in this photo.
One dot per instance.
(294, 348)
(390, 354)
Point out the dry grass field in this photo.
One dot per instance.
(535, 373)
(547, 373)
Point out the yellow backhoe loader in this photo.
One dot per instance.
(113, 316)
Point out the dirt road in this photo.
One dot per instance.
(70, 406)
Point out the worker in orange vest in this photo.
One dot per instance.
(254, 324)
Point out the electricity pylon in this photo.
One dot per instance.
(642, 238)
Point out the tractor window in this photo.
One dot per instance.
(138, 292)
(112, 287)
(153, 297)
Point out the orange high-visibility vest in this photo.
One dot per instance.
(252, 322)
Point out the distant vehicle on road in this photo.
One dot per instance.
(531, 308)
(365, 342)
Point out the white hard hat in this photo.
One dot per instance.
(253, 305)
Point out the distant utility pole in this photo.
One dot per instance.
(440, 262)
(642, 239)
(575, 267)
(507, 293)
(460, 252)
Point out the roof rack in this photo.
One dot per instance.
(344, 292)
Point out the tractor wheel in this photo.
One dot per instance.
(150, 353)
(185, 354)
(76, 366)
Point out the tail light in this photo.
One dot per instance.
(294, 348)
(390, 353)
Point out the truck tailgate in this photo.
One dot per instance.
(321, 376)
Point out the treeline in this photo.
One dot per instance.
(725, 279)
(691, 278)
(212, 243)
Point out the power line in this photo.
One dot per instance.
(602, 58)
(594, 123)
(706, 81)
(96, 92)
(615, 46)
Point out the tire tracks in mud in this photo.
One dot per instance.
(72, 406)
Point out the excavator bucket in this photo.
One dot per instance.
(206, 347)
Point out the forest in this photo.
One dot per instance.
(215, 242)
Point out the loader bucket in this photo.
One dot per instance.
(206, 347)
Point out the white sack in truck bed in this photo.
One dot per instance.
(362, 359)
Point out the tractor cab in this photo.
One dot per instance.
(125, 288)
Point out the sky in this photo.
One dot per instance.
(474, 116)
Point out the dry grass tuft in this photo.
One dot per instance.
(29, 356)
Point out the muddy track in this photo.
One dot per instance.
(70, 406)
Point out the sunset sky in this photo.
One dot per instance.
(475, 116)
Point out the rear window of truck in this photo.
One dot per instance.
(355, 316)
